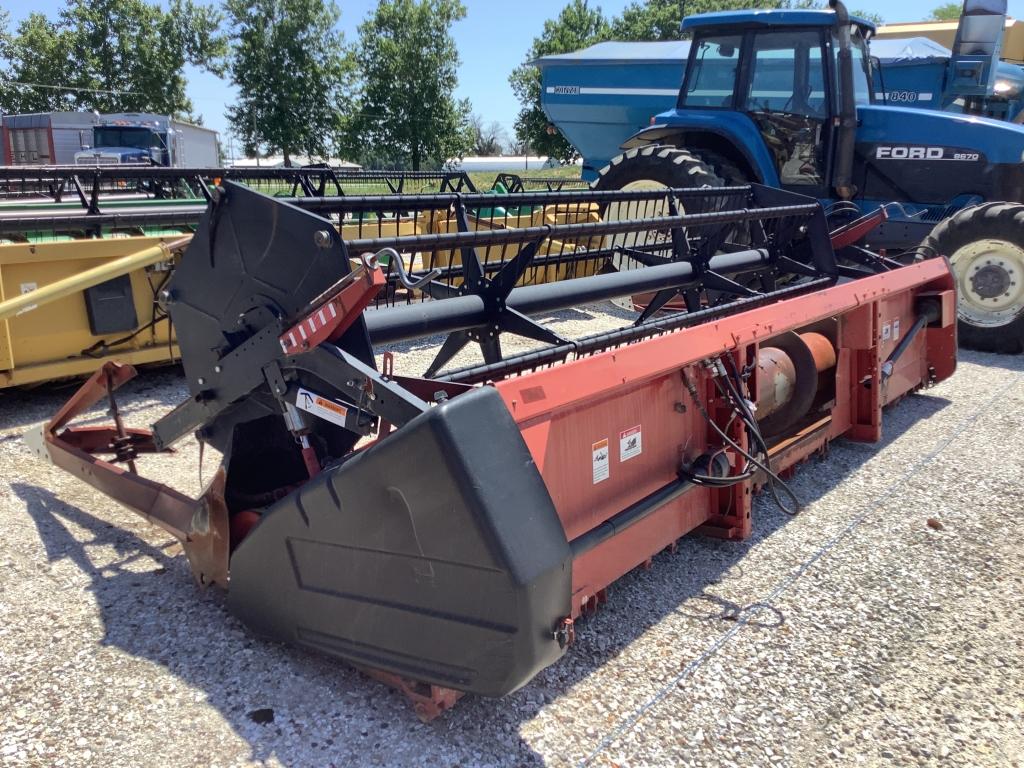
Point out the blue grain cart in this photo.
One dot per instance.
(599, 96)
(915, 72)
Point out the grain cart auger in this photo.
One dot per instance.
(446, 533)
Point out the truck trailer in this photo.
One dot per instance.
(45, 138)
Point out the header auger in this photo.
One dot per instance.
(446, 531)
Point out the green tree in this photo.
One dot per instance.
(578, 25)
(293, 74)
(660, 19)
(407, 114)
(947, 12)
(875, 18)
(34, 61)
(110, 55)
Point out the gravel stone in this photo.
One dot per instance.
(852, 634)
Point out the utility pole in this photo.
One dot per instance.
(255, 143)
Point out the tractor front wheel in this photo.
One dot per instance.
(985, 247)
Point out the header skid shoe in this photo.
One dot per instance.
(447, 532)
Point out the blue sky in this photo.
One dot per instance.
(492, 39)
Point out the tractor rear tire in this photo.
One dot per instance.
(724, 168)
(985, 246)
(658, 165)
(651, 167)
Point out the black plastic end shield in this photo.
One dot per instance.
(436, 554)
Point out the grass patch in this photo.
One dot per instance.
(483, 180)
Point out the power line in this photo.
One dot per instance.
(73, 88)
(117, 92)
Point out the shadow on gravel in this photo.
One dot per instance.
(150, 609)
(24, 406)
(991, 360)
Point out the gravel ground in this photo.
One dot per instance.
(882, 626)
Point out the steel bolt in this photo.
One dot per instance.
(217, 369)
(201, 381)
(322, 238)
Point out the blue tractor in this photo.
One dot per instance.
(784, 98)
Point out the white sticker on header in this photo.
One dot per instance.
(895, 329)
(630, 443)
(28, 288)
(599, 452)
(886, 331)
(320, 406)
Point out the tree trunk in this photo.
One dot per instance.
(287, 158)
(415, 156)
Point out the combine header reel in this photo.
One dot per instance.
(446, 531)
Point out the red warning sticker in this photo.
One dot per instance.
(630, 443)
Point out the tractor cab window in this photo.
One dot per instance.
(786, 74)
(786, 98)
(711, 73)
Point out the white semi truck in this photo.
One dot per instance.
(139, 137)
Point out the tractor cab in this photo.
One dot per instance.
(778, 69)
(784, 98)
(764, 87)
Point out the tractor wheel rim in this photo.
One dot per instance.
(635, 209)
(990, 280)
